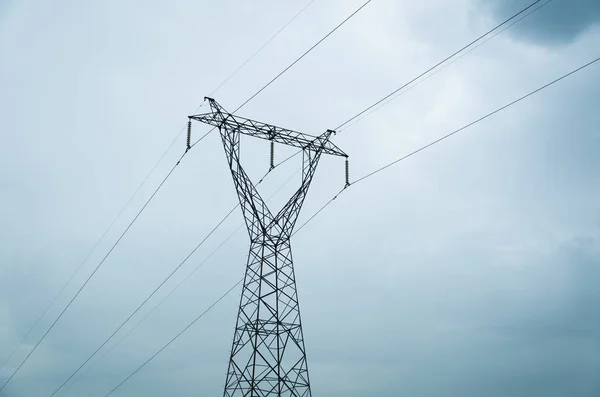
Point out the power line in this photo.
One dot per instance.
(161, 284)
(123, 209)
(377, 105)
(357, 181)
(478, 120)
(264, 87)
(436, 65)
(417, 151)
(462, 50)
(376, 171)
(89, 253)
(292, 64)
(174, 338)
(208, 309)
(109, 350)
(135, 193)
(89, 278)
(305, 53)
(482, 42)
(290, 156)
(262, 47)
(178, 285)
(242, 105)
(133, 313)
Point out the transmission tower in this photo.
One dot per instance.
(268, 356)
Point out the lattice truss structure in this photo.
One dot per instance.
(268, 355)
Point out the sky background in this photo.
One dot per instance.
(469, 269)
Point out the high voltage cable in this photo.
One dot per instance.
(338, 127)
(262, 89)
(88, 279)
(293, 63)
(262, 47)
(170, 293)
(396, 91)
(416, 78)
(177, 286)
(376, 171)
(305, 53)
(125, 335)
(135, 193)
(436, 65)
(345, 125)
(174, 338)
(354, 183)
(488, 38)
(88, 255)
(233, 74)
(133, 313)
(120, 213)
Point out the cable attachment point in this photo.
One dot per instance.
(189, 135)
(347, 174)
(272, 165)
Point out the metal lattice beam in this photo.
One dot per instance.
(220, 118)
(268, 356)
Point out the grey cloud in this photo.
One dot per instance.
(481, 326)
(5, 8)
(458, 271)
(558, 23)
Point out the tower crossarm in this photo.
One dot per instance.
(218, 117)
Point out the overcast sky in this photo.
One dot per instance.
(469, 269)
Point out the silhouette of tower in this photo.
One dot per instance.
(268, 356)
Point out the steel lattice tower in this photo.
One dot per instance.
(268, 356)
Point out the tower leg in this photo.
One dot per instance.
(268, 356)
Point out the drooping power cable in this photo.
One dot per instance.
(415, 82)
(438, 64)
(293, 63)
(88, 279)
(378, 170)
(170, 293)
(354, 183)
(123, 209)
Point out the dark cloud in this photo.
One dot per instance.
(559, 22)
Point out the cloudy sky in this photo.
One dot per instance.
(469, 269)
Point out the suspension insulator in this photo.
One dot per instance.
(272, 154)
(189, 134)
(347, 173)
